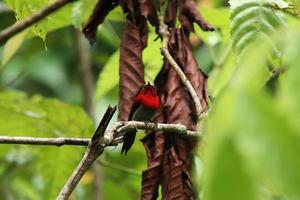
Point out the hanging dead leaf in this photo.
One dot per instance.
(131, 71)
(101, 10)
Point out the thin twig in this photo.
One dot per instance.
(19, 26)
(163, 30)
(118, 167)
(44, 141)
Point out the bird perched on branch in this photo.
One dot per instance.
(145, 104)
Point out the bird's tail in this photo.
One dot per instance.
(128, 140)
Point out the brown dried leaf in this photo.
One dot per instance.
(171, 13)
(149, 11)
(129, 6)
(102, 8)
(179, 108)
(131, 71)
(154, 143)
(172, 183)
(196, 77)
(181, 51)
(188, 14)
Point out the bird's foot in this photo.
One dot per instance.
(151, 124)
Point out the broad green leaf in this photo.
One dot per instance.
(263, 129)
(37, 116)
(221, 182)
(12, 46)
(295, 5)
(40, 117)
(266, 130)
(74, 13)
(288, 93)
(56, 171)
(77, 15)
(26, 8)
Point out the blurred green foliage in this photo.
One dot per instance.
(251, 136)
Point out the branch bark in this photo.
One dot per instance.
(112, 137)
(96, 145)
(163, 30)
(94, 150)
(19, 26)
(44, 141)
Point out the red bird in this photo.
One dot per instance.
(144, 107)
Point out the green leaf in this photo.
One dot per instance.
(296, 6)
(77, 14)
(262, 129)
(41, 117)
(73, 13)
(56, 171)
(26, 8)
(12, 46)
(276, 3)
(288, 91)
(251, 21)
(267, 130)
(221, 182)
(37, 116)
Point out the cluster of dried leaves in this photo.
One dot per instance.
(169, 155)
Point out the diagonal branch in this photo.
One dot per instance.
(19, 26)
(94, 150)
(163, 30)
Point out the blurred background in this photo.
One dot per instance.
(53, 83)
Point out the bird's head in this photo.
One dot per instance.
(148, 97)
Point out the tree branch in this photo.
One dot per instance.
(94, 150)
(112, 137)
(44, 141)
(96, 145)
(163, 31)
(115, 134)
(21, 25)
